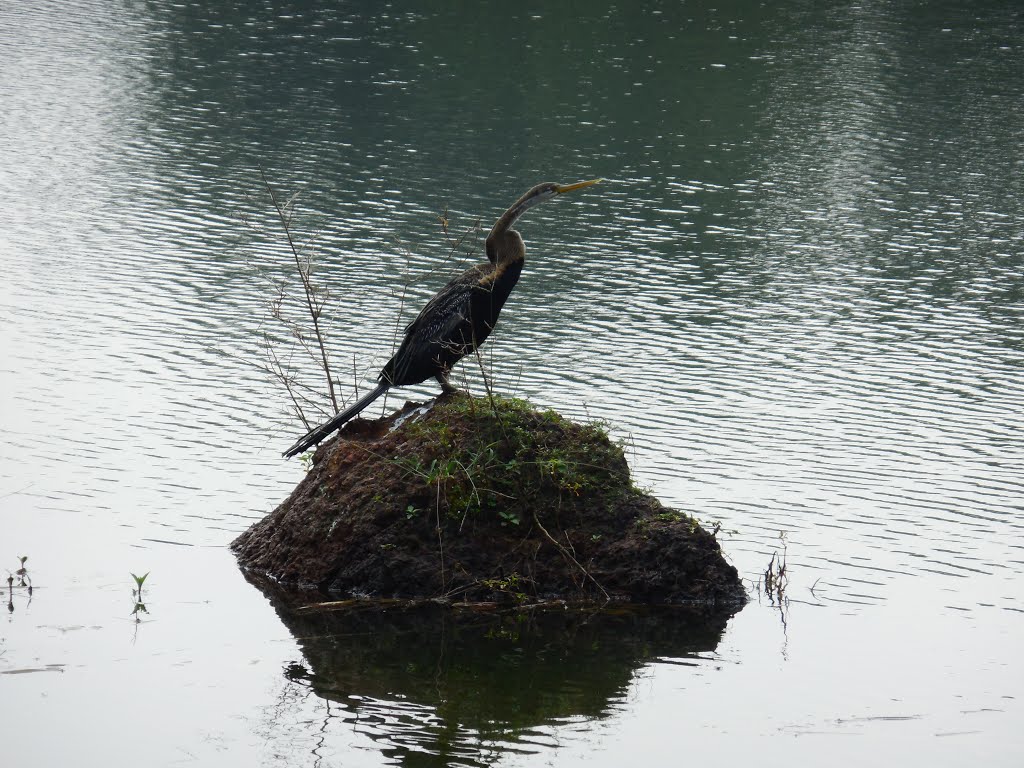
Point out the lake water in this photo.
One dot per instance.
(799, 295)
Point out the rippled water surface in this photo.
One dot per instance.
(798, 295)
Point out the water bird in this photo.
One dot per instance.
(458, 319)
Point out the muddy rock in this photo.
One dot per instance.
(467, 499)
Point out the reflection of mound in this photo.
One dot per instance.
(432, 681)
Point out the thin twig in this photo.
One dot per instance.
(307, 287)
(287, 382)
(568, 556)
(440, 542)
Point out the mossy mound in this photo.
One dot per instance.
(480, 500)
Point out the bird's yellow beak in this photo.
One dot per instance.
(563, 188)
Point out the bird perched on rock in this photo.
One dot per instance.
(458, 319)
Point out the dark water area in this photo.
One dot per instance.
(453, 683)
(798, 296)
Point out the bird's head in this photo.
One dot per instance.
(538, 194)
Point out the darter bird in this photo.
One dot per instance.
(458, 319)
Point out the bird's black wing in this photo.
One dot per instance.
(440, 335)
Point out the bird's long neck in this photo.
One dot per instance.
(505, 245)
(509, 217)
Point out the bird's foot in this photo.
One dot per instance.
(447, 388)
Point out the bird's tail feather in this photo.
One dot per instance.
(314, 436)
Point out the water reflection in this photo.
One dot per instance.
(457, 685)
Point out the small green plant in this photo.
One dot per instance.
(776, 576)
(140, 604)
(454, 479)
(22, 574)
(508, 518)
(24, 581)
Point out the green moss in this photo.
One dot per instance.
(511, 586)
(671, 516)
(498, 455)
